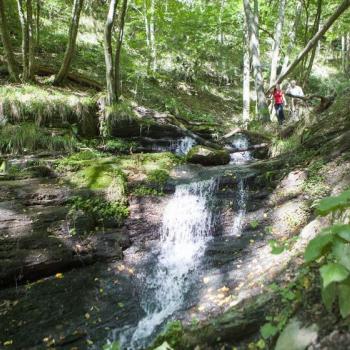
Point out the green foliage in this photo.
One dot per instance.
(332, 247)
(281, 146)
(112, 346)
(331, 204)
(158, 178)
(118, 145)
(172, 335)
(142, 191)
(315, 184)
(28, 137)
(268, 330)
(100, 209)
(45, 106)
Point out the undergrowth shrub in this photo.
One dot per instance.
(331, 249)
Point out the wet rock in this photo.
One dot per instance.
(208, 156)
(38, 236)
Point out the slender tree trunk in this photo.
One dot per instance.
(292, 36)
(25, 40)
(316, 28)
(108, 52)
(277, 42)
(252, 22)
(121, 23)
(147, 31)
(343, 52)
(347, 67)
(153, 36)
(72, 37)
(220, 27)
(37, 23)
(338, 12)
(5, 37)
(31, 47)
(246, 76)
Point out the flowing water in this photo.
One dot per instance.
(184, 145)
(240, 142)
(186, 227)
(185, 232)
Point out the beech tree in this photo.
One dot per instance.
(120, 36)
(5, 38)
(246, 75)
(277, 41)
(254, 47)
(25, 12)
(72, 37)
(113, 64)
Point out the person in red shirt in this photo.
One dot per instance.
(278, 97)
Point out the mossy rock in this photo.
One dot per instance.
(208, 156)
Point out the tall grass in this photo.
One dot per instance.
(45, 106)
(28, 138)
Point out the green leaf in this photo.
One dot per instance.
(342, 231)
(268, 330)
(333, 273)
(318, 246)
(341, 251)
(111, 346)
(328, 296)
(330, 204)
(344, 299)
(276, 248)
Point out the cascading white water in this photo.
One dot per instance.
(186, 225)
(185, 145)
(240, 142)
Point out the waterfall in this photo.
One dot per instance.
(240, 142)
(185, 145)
(186, 226)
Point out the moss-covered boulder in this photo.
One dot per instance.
(208, 156)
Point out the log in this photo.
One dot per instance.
(75, 77)
(325, 103)
(48, 70)
(250, 148)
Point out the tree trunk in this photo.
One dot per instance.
(246, 76)
(121, 23)
(5, 37)
(277, 41)
(25, 40)
(341, 8)
(252, 23)
(343, 52)
(31, 48)
(108, 52)
(72, 37)
(220, 27)
(316, 28)
(153, 37)
(147, 31)
(292, 36)
(37, 23)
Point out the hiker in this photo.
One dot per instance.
(278, 98)
(295, 90)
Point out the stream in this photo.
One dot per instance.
(188, 251)
(186, 231)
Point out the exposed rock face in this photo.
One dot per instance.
(36, 237)
(208, 156)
